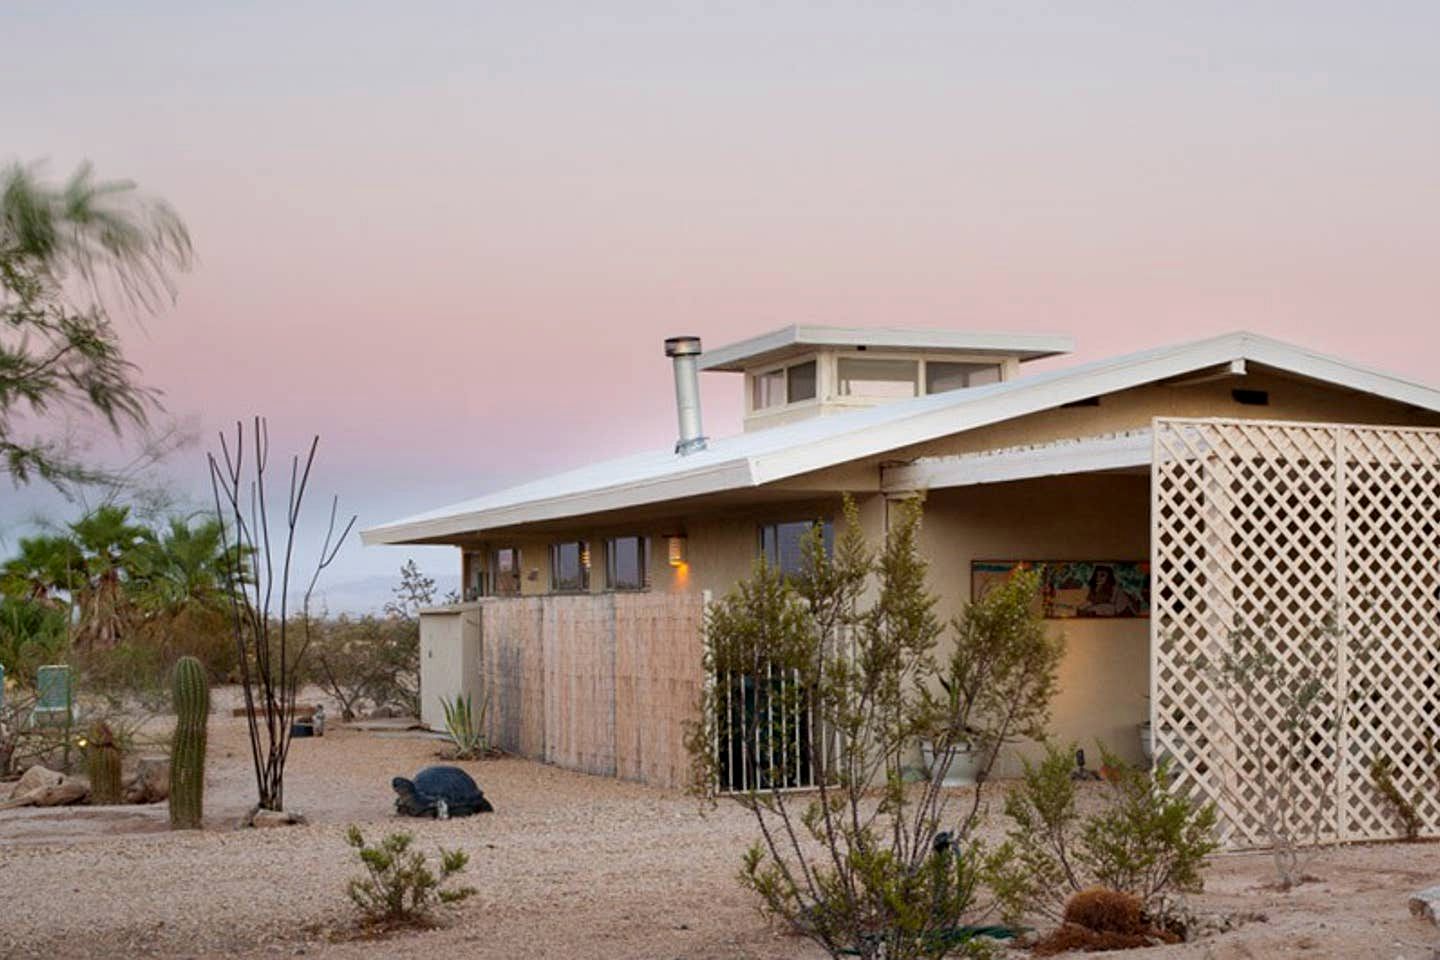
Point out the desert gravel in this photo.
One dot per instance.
(569, 865)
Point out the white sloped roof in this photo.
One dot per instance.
(791, 340)
(764, 456)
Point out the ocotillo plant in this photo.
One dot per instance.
(102, 757)
(187, 752)
(271, 641)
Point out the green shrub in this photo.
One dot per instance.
(868, 863)
(1148, 841)
(399, 887)
(1145, 842)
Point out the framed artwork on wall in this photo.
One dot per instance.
(1075, 589)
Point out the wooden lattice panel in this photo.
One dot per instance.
(1321, 541)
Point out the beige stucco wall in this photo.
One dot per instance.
(1104, 678)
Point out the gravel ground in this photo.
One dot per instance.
(568, 866)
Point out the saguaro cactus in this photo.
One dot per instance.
(102, 757)
(187, 751)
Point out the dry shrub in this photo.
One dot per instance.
(202, 632)
(1072, 936)
(1098, 919)
(1104, 911)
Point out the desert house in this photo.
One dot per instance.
(1171, 494)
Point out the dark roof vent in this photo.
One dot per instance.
(1251, 398)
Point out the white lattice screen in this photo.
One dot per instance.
(1323, 541)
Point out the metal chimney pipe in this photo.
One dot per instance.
(683, 351)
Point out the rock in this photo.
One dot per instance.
(264, 819)
(70, 790)
(151, 782)
(38, 778)
(41, 787)
(1425, 904)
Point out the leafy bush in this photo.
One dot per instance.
(868, 864)
(466, 727)
(399, 887)
(1145, 842)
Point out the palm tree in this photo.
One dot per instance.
(95, 241)
(186, 565)
(114, 551)
(46, 565)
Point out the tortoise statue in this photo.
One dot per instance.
(439, 792)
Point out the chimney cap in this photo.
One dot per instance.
(682, 347)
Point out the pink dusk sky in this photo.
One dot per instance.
(450, 237)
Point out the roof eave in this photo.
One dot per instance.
(788, 341)
(1003, 402)
(729, 475)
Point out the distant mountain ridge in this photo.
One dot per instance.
(363, 595)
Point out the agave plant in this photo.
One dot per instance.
(466, 726)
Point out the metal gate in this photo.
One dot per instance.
(764, 732)
(1320, 543)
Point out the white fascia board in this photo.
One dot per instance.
(1002, 402)
(1020, 463)
(725, 476)
(734, 357)
(722, 358)
(1328, 369)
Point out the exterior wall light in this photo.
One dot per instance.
(676, 549)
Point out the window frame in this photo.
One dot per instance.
(917, 363)
(492, 572)
(976, 366)
(777, 562)
(783, 369)
(581, 549)
(473, 575)
(814, 364)
(643, 544)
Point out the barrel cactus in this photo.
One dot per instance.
(187, 751)
(102, 757)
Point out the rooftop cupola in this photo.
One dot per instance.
(805, 371)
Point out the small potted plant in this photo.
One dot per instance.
(965, 761)
(1147, 737)
(963, 767)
